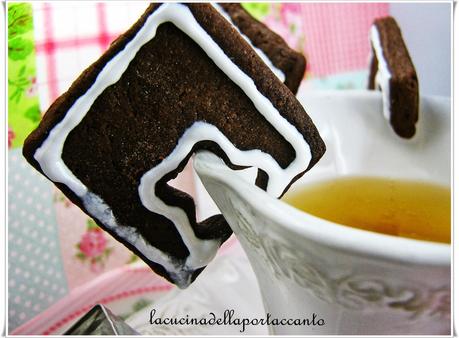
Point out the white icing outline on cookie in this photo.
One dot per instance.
(279, 73)
(49, 155)
(383, 75)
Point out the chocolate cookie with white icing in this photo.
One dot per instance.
(288, 64)
(179, 80)
(392, 71)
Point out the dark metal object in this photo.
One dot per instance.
(101, 321)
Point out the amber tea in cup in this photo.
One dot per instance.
(412, 209)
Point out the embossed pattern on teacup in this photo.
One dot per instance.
(352, 290)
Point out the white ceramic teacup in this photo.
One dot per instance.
(359, 282)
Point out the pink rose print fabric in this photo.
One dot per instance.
(11, 136)
(286, 20)
(92, 247)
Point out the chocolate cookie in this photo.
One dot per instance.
(286, 63)
(179, 80)
(393, 72)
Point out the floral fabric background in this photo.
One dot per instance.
(49, 44)
(24, 111)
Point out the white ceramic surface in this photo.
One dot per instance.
(228, 283)
(359, 282)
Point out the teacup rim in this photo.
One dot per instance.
(325, 232)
